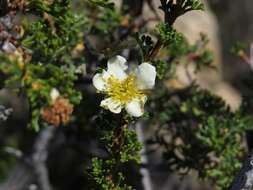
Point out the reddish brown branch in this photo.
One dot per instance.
(154, 51)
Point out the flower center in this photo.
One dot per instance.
(123, 91)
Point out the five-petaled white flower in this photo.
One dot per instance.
(122, 89)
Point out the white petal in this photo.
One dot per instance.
(111, 105)
(145, 74)
(136, 107)
(105, 75)
(117, 67)
(54, 94)
(98, 82)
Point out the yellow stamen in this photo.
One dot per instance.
(123, 91)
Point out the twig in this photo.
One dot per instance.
(14, 152)
(40, 155)
(117, 144)
(154, 51)
(146, 180)
(23, 173)
(19, 178)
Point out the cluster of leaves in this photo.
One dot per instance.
(104, 28)
(38, 82)
(200, 127)
(169, 35)
(53, 41)
(178, 50)
(53, 36)
(103, 20)
(102, 170)
(174, 42)
(122, 147)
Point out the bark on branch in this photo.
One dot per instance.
(32, 169)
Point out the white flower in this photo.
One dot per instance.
(54, 94)
(125, 90)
